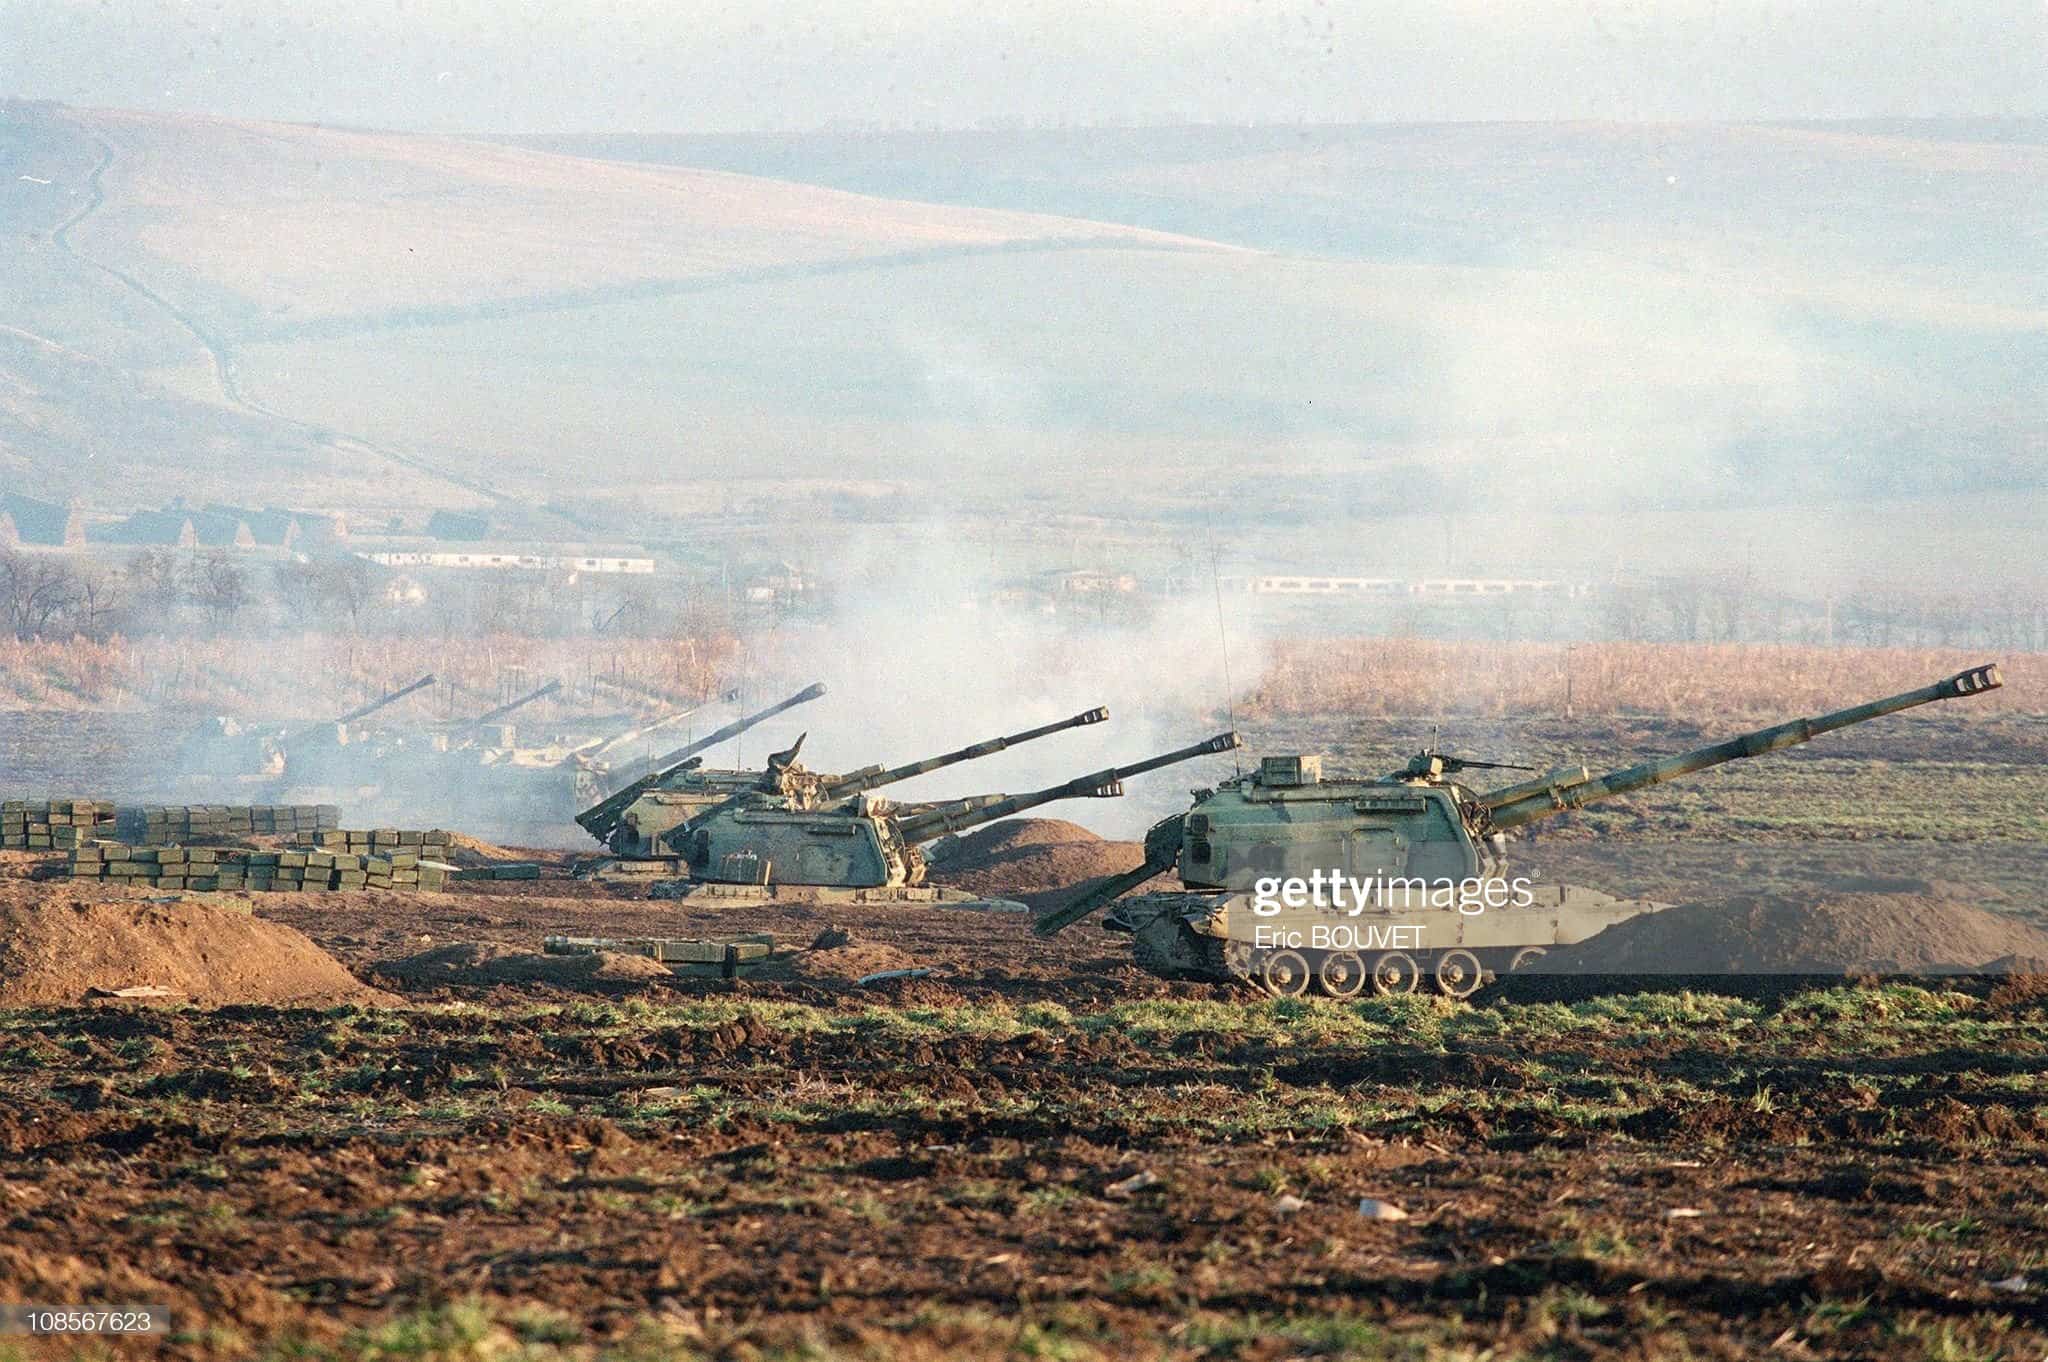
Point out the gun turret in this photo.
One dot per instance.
(870, 777)
(600, 819)
(492, 716)
(1528, 801)
(972, 813)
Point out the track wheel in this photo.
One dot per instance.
(1395, 972)
(1458, 974)
(1285, 974)
(1342, 974)
(1525, 956)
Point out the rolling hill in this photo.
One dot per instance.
(1326, 328)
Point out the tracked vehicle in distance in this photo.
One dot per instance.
(799, 835)
(844, 838)
(670, 788)
(1397, 880)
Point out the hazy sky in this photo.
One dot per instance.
(670, 65)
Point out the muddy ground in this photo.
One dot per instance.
(1041, 1152)
(1038, 1153)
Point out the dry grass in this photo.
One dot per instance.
(1424, 676)
(308, 675)
(311, 674)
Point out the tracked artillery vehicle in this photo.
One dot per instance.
(1291, 881)
(673, 786)
(797, 834)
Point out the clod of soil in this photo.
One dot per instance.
(1037, 861)
(477, 963)
(837, 956)
(1833, 934)
(55, 947)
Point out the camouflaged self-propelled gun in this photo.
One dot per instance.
(1293, 881)
(674, 787)
(804, 836)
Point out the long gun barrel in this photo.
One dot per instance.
(364, 711)
(870, 777)
(1528, 801)
(972, 813)
(492, 716)
(601, 818)
(1162, 849)
(740, 725)
(597, 747)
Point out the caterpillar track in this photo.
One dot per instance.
(1169, 945)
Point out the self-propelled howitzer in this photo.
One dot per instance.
(629, 818)
(642, 820)
(866, 842)
(874, 777)
(1430, 851)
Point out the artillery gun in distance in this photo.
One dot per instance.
(823, 837)
(1406, 834)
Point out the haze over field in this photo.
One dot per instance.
(1581, 340)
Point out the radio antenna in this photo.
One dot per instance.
(1222, 635)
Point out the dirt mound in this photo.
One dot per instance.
(478, 963)
(1036, 860)
(55, 950)
(1014, 834)
(837, 956)
(1829, 935)
(465, 850)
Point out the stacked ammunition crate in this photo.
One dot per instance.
(433, 842)
(158, 825)
(230, 868)
(729, 959)
(52, 824)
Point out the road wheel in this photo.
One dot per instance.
(1342, 974)
(1525, 956)
(1458, 974)
(1285, 974)
(1395, 972)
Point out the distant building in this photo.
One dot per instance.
(458, 525)
(166, 529)
(1289, 585)
(1085, 581)
(27, 522)
(774, 584)
(269, 527)
(514, 558)
(217, 530)
(1493, 586)
(220, 526)
(1311, 584)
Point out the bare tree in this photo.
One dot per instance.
(1734, 597)
(35, 589)
(219, 586)
(297, 583)
(348, 584)
(154, 578)
(1683, 600)
(99, 603)
(1626, 610)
